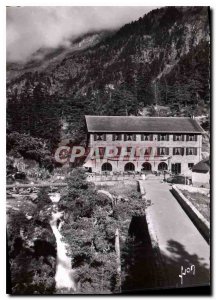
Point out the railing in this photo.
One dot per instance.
(36, 185)
(113, 177)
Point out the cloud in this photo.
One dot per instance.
(32, 28)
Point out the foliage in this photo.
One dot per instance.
(90, 224)
(31, 148)
(162, 58)
(31, 249)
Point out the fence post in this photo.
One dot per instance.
(118, 258)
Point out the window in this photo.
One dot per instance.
(146, 137)
(119, 150)
(178, 151)
(178, 137)
(130, 137)
(190, 165)
(129, 149)
(191, 137)
(147, 151)
(117, 137)
(163, 151)
(162, 166)
(101, 151)
(163, 137)
(100, 137)
(191, 151)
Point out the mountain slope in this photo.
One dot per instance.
(162, 58)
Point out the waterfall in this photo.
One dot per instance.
(64, 276)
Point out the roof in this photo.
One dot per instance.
(202, 167)
(142, 124)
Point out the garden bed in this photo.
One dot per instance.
(200, 201)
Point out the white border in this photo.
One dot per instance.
(3, 4)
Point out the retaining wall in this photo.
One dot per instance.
(196, 217)
(154, 240)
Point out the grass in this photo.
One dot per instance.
(201, 202)
(120, 188)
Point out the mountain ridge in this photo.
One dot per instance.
(163, 58)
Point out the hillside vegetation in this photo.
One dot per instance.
(162, 58)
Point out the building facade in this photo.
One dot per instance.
(144, 143)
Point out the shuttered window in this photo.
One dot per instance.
(146, 137)
(163, 137)
(191, 137)
(178, 137)
(116, 137)
(100, 137)
(191, 151)
(163, 151)
(101, 151)
(177, 151)
(147, 151)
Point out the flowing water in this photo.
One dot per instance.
(64, 276)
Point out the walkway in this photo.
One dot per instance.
(180, 243)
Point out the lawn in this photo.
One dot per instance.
(121, 188)
(201, 202)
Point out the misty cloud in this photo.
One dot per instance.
(32, 28)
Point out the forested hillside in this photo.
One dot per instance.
(163, 58)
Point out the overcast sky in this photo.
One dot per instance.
(30, 28)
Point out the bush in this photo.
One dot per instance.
(31, 249)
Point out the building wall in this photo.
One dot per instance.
(153, 159)
(200, 179)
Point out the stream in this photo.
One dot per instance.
(64, 276)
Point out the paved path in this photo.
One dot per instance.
(180, 242)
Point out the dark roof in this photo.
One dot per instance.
(202, 167)
(142, 124)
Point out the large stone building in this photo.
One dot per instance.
(167, 143)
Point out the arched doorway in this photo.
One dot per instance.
(162, 166)
(106, 167)
(146, 166)
(129, 167)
